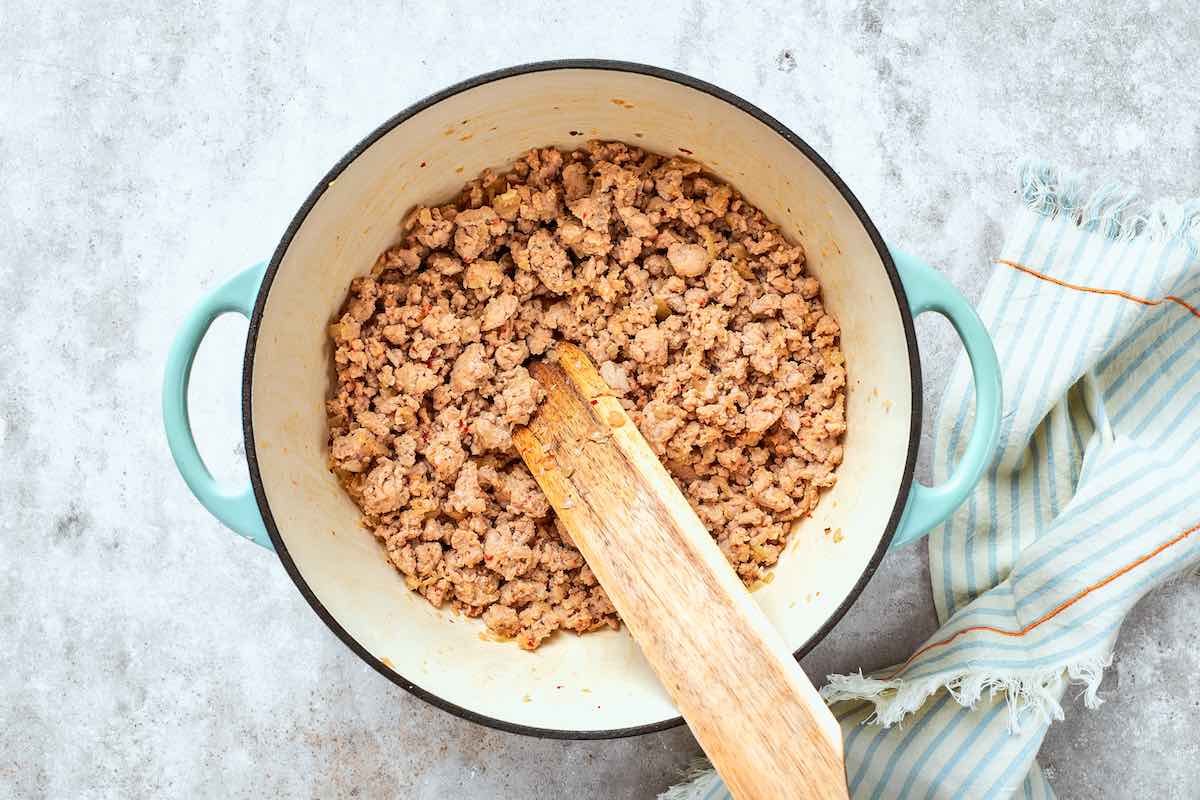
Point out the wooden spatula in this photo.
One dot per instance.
(755, 713)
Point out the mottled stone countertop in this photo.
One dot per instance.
(149, 150)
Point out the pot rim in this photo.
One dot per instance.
(471, 83)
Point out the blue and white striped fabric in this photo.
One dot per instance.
(1093, 499)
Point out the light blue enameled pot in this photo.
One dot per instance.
(596, 685)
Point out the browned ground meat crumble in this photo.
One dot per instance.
(698, 313)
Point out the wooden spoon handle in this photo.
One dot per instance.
(729, 672)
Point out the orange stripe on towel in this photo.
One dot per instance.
(1054, 612)
(1094, 290)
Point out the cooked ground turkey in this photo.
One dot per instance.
(698, 313)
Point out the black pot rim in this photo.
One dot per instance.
(386, 127)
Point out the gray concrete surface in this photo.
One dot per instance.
(148, 150)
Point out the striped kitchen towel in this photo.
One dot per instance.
(1093, 499)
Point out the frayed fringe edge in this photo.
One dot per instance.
(1114, 210)
(699, 770)
(1030, 694)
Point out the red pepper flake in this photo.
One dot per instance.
(594, 401)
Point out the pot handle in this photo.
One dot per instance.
(236, 508)
(928, 290)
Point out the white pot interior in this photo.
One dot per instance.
(597, 682)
